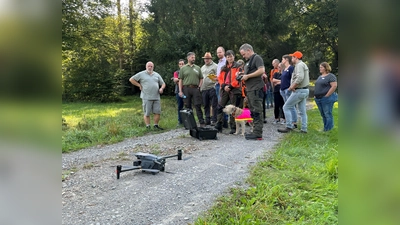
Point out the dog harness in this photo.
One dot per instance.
(244, 116)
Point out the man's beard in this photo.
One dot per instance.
(192, 62)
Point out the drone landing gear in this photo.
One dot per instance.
(154, 172)
(147, 163)
(121, 169)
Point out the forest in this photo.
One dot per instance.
(105, 42)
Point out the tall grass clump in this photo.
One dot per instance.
(298, 184)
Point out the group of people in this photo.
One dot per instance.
(290, 84)
(216, 85)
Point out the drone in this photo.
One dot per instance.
(148, 163)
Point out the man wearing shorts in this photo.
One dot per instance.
(149, 83)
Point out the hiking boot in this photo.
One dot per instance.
(285, 130)
(253, 136)
(157, 127)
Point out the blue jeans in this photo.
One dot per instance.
(217, 87)
(269, 98)
(325, 106)
(179, 100)
(298, 97)
(285, 95)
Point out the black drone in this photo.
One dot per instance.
(148, 163)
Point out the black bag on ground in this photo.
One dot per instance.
(201, 133)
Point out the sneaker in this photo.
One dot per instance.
(283, 122)
(232, 131)
(303, 131)
(265, 120)
(213, 123)
(285, 130)
(253, 136)
(208, 123)
(295, 126)
(202, 124)
(276, 122)
(157, 127)
(148, 127)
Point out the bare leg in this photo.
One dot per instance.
(156, 118)
(146, 120)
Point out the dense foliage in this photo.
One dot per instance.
(105, 42)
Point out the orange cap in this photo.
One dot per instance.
(297, 54)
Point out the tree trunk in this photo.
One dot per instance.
(120, 42)
(131, 32)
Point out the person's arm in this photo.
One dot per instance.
(134, 82)
(175, 78)
(332, 89)
(200, 82)
(162, 88)
(180, 88)
(275, 81)
(259, 72)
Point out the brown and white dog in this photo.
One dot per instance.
(241, 117)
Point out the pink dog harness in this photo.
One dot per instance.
(244, 116)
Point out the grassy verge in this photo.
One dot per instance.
(298, 184)
(91, 124)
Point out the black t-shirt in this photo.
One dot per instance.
(277, 76)
(254, 83)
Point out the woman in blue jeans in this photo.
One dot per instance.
(325, 95)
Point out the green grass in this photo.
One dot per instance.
(298, 184)
(90, 124)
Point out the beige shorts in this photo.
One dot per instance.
(151, 106)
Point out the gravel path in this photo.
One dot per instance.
(92, 194)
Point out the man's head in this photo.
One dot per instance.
(275, 63)
(220, 52)
(230, 56)
(296, 56)
(149, 67)
(207, 58)
(191, 57)
(181, 63)
(246, 51)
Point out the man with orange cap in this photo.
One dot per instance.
(299, 87)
